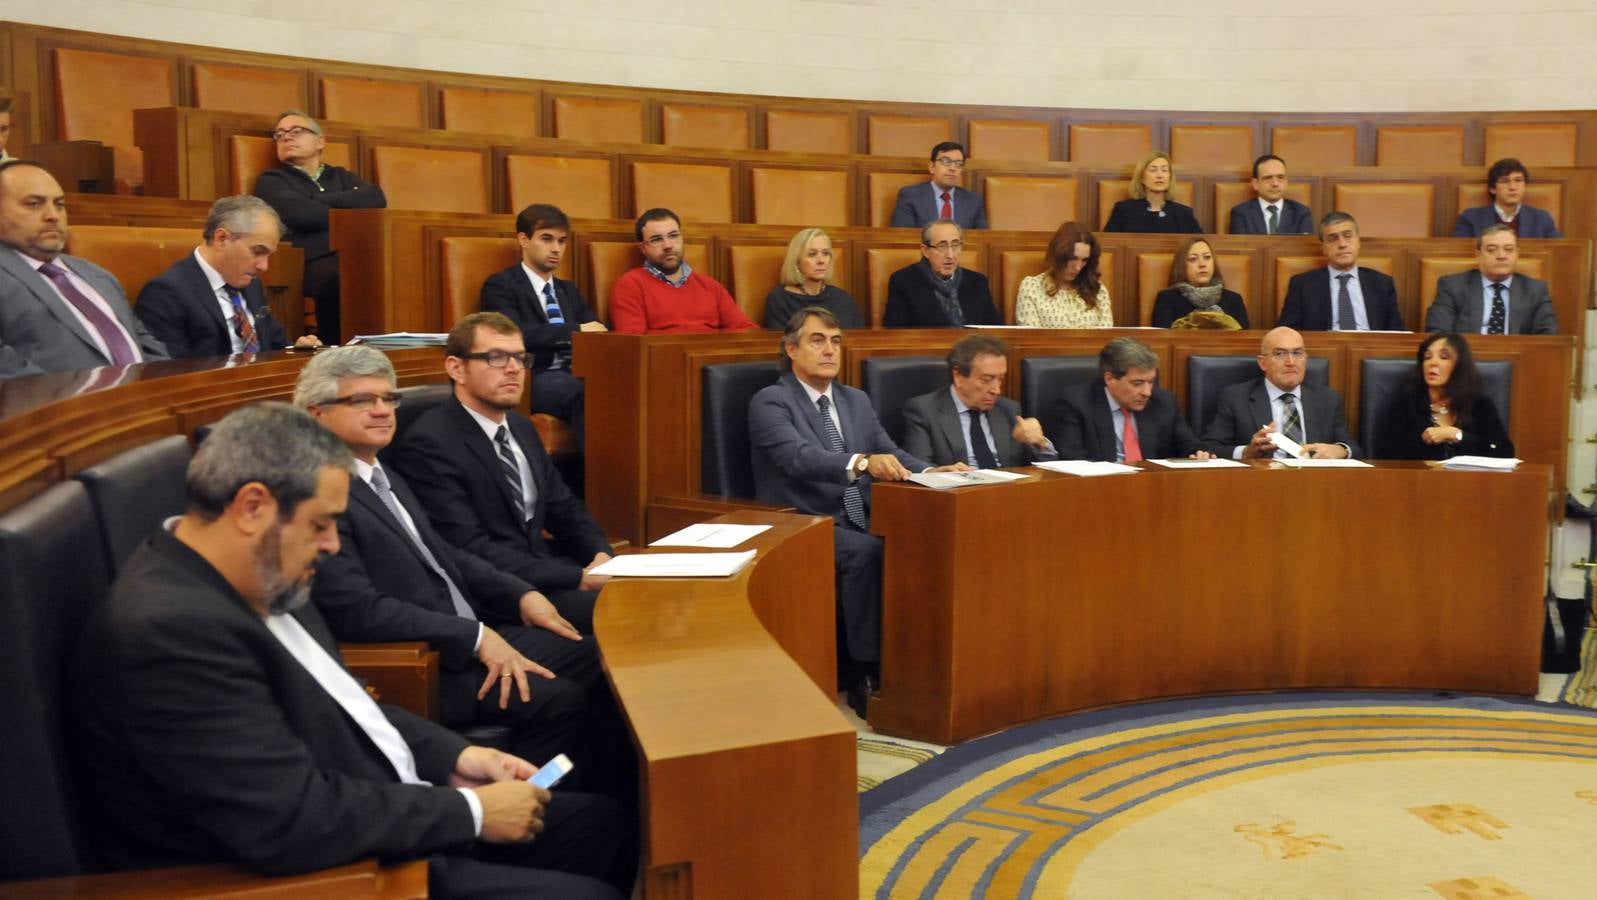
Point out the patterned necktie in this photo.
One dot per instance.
(1291, 422)
(1499, 318)
(853, 499)
(1128, 438)
(551, 310)
(243, 322)
(1345, 320)
(982, 454)
(385, 493)
(511, 471)
(1274, 223)
(116, 341)
(947, 212)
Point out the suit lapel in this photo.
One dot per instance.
(1103, 422)
(202, 292)
(362, 493)
(527, 437)
(1259, 406)
(482, 448)
(810, 415)
(532, 306)
(952, 424)
(41, 289)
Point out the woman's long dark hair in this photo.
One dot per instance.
(1464, 386)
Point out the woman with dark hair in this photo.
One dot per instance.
(1070, 293)
(1197, 296)
(1151, 208)
(1443, 410)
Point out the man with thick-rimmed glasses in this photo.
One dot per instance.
(941, 197)
(938, 292)
(1280, 400)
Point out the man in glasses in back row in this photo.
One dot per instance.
(941, 197)
(1280, 400)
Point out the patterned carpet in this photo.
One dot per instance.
(1282, 795)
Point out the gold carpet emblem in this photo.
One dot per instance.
(1480, 888)
(1280, 838)
(1456, 818)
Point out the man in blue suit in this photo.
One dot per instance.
(1506, 181)
(942, 197)
(1271, 212)
(817, 446)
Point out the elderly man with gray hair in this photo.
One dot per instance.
(211, 303)
(1123, 415)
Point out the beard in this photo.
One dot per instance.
(282, 594)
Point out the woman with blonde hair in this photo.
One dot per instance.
(1196, 297)
(1070, 294)
(807, 281)
(1150, 208)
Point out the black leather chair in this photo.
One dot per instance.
(1042, 378)
(892, 381)
(726, 389)
(1383, 380)
(1207, 376)
(418, 399)
(135, 491)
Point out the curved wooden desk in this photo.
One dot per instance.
(1017, 601)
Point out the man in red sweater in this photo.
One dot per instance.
(666, 294)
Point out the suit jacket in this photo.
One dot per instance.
(1533, 222)
(935, 431)
(202, 739)
(510, 292)
(1081, 426)
(1248, 218)
(303, 204)
(912, 303)
(455, 471)
(181, 310)
(1460, 305)
(40, 333)
(1245, 408)
(794, 463)
(919, 203)
(1308, 301)
(1407, 417)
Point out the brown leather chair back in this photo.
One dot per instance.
(1228, 194)
(882, 262)
(1153, 276)
(716, 127)
(1388, 209)
(800, 196)
(1288, 266)
(467, 263)
(254, 89)
(807, 131)
(250, 156)
(1212, 145)
(1431, 146)
(489, 112)
(1109, 143)
(1309, 147)
(695, 192)
(1534, 144)
(1020, 203)
(1434, 267)
(432, 179)
(605, 120)
(1010, 139)
(402, 104)
(609, 260)
(1112, 192)
(1547, 196)
(756, 268)
(1015, 265)
(133, 255)
(882, 189)
(907, 135)
(96, 94)
(583, 187)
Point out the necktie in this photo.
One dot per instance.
(1291, 422)
(244, 323)
(385, 492)
(1270, 226)
(1499, 317)
(551, 310)
(853, 499)
(1345, 320)
(1128, 438)
(512, 472)
(116, 341)
(978, 442)
(947, 212)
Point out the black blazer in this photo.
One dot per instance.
(1408, 417)
(510, 292)
(1082, 428)
(303, 204)
(202, 739)
(180, 309)
(1308, 301)
(911, 302)
(1248, 218)
(1133, 215)
(935, 431)
(455, 471)
(1170, 305)
(1245, 408)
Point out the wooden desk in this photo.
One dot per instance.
(1007, 603)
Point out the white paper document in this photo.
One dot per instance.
(711, 536)
(675, 565)
(1286, 445)
(1086, 468)
(1215, 463)
(944, 480)
(1315, 463)
(1483, 463)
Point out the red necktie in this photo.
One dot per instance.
(948, 208)
(1128, 437)
(244, 321)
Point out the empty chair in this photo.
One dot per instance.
(582, 186)
(697, 193)
(1212, 145)
(1022, 203)
(431, 179)
(809, 131)
(800, 196)
(96, 94)
(1208, 375)
(725, 468)
(253, 89)
(611, 120)
(1421, 146)
(889, 135)
(1108, 143)
(402, 104)
(755, 269)
(1533, 143)
(1309, 147)
(467, 262)
(1388, 209)
(418, 400)
(134, 255)
(135, 491)
(1025, 140)
(882, 191)
(716, 127)
(1044, 378)
(489, 112)
(892, 381)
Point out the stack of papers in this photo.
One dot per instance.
(944, 480)
(1181, 463)
(710, 536)
(1086, 469)
(1483, 463)
(400, 340)
(1315, 463)
(675, 565)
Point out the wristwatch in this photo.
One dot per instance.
(863, 464)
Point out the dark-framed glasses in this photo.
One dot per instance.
(501, 358)
(950, 162)
(948, 246)
(294, 132)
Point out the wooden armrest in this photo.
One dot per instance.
(405, 675)
(367, 878)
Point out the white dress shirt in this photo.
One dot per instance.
(529, 491)
(219, 291)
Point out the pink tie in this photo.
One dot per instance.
(115, 341)
(948, 208)
(1129, 439)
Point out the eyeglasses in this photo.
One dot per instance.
(296, 131)
(947, 246)
(950, 162)
(501, 358)
(363, 402)
(659, 240)
(1284, 353)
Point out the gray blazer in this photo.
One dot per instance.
(935, 431)
(1245, 408)
(1460, 305)
(39, 333)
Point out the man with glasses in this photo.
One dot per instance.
(665, 294)
(1280, 401)
(942, 197)
(303, 190)
(937, 292)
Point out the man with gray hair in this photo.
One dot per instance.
(1122, 416)
(938, 292)
(211, 303)
(217, 724)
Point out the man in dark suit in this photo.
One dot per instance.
(1493, 298)
(1121, 416)
(1506, 181)
(816, 446)
(942, 197)
(1343, 296)
(1279, 401)
(548, 310)
(1271, 212)
(938, 292)
(211, 303)
(57, 312)
(970, 421)
(216, 723)
(483, 476)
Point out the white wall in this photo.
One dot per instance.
(1289, 55)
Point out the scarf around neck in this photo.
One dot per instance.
(947, 292)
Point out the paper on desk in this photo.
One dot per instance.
(1484, 463)
(1286, 445)
(1216, 463)
(711, 535)
(1085, 468)
(944, 480)
(674, 565)
(1315, 463)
